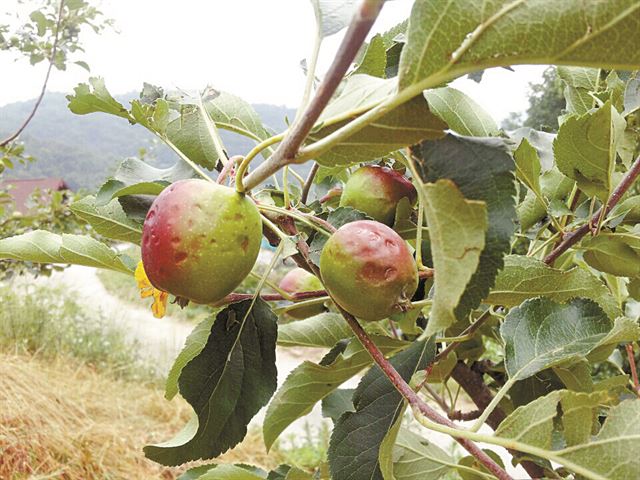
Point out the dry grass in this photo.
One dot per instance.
(63, 420)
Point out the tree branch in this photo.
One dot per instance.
(574, 237)
(471, 382)
(354, 38)
(52, 60)
(308, 182)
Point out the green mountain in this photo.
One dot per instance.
(85, 150)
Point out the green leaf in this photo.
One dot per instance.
(576, 377)
(629, 209)
(587, 78)
(113, 189)
(555, 186)
(483, 170)
(108, 220)
(406, 125)
(579, 82)
(449, 38)
(624, 330)
(135, 177)
(193, 346)
(585, 149)
(191, 134)
(416, 458)
(332, 16)
(374, 61)
(614, 253)
(324, 330)
(527, 277)
(337, 403)
(226, 384)
(457, 233)
(541, 333)
(223, 472)
(234, 114)
(579, 412)
(613, 452)
(40, 246)
(528, 167)
(542, 142)
(374, 398)
(461, 112)
(632, 95)
(95, 97)
(532, 423)
(309, 383)
(40, 20)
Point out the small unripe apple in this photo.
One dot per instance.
(200, 240)
(299, 280)
(376, 191)
(368, 270)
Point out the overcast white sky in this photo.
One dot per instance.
(251, 48)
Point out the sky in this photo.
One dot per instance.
(251, 48)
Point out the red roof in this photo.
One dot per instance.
(21, 190)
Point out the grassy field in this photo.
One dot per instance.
(77, 402)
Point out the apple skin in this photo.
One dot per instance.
(376, 191)
(368, 270)
(200, 240)
(299, 280)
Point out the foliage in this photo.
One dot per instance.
(49, 212)
(533, 238)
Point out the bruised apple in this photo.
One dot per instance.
(368, 270)
(200, 240)
(376, 191)
(299, 280)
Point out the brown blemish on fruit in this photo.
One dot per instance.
(180, 257)
(175, 241)
(244, 243)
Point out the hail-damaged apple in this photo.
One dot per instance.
(376, 191)
(368, 270)
(200, 240)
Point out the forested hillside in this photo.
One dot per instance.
(85, 149)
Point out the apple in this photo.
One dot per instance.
(299, 280)
(200, 240)
(376, 191)
(368, 270)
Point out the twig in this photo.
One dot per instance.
(228, 168)
(470, 330)
(574, 237)
(52, 60)
(272, 297)
(472, 382)
(415, 401)
(632, 366)
(354, 38)
(308, 182)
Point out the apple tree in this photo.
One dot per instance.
(460, 260)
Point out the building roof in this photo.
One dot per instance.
(21, 190)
